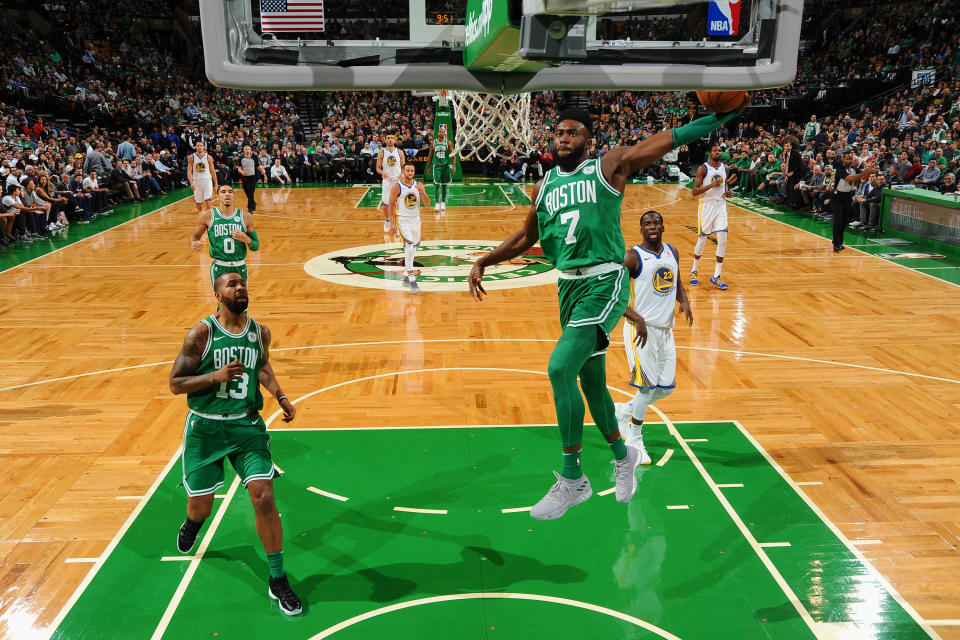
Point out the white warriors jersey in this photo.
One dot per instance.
(408, 202)
(201, 167)
(714, 174)
(653, 293)
(392, 162)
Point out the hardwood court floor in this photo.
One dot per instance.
(842, 366)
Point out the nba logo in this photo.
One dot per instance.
(723, 18)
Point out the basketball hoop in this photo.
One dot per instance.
(489, 125)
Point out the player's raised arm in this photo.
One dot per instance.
(269, 380)
(203, 223)
(510, 248)
(182, 378)
(621, 162)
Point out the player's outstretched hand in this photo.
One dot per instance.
(476, 276)
(228, 372)
(687, 311)
(289, 411)
(196, 245)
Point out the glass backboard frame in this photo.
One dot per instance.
(429, 60)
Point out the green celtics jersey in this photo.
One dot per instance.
(578, 214)
(223, 246)
(240, 396)
(441, 154)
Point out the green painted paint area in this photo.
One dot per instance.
(470, 194)
(608, 567)
(21, 253)
(863, 240)
(830, 581)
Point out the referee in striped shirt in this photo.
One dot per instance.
(249, 164)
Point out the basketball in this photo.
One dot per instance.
(723, 101)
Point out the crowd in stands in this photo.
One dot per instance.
(154, 110)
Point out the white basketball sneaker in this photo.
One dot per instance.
(625, 472)
(563, 495)
(436, 207)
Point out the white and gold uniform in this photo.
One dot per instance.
(408, 213)
(392, 165)
(712, 210)
(202, 178)
(653, 295)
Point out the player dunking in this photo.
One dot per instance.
(230, 232)
(389, 163)
(221, 366)
(441, 154)
(201, 176)
(403, 212)
(575, 215)
(711, 187)
(655, 287)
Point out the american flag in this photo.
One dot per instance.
(291, 15)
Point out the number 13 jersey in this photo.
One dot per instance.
(237, 397)
(578, 215)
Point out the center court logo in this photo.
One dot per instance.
(441, 265)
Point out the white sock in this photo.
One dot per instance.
(639, 404)
(717, 269)
(409, 251)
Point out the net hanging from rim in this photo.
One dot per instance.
(489, 125)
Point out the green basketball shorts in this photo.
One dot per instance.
(593, 299)
(219, 268)
(206, 442)
(441, 174)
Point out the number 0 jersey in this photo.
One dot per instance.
(237, 397)
(578, 215)
(223, 246)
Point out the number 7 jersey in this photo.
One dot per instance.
(237, 397)
(223, 247)
(578, 215)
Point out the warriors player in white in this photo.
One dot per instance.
(202, 177)
(711, 187)
(655, 287)
(389, 163)
(403, 215)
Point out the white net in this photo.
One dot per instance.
(489, 125)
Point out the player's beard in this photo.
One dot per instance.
(573, 159)
(236, 306)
